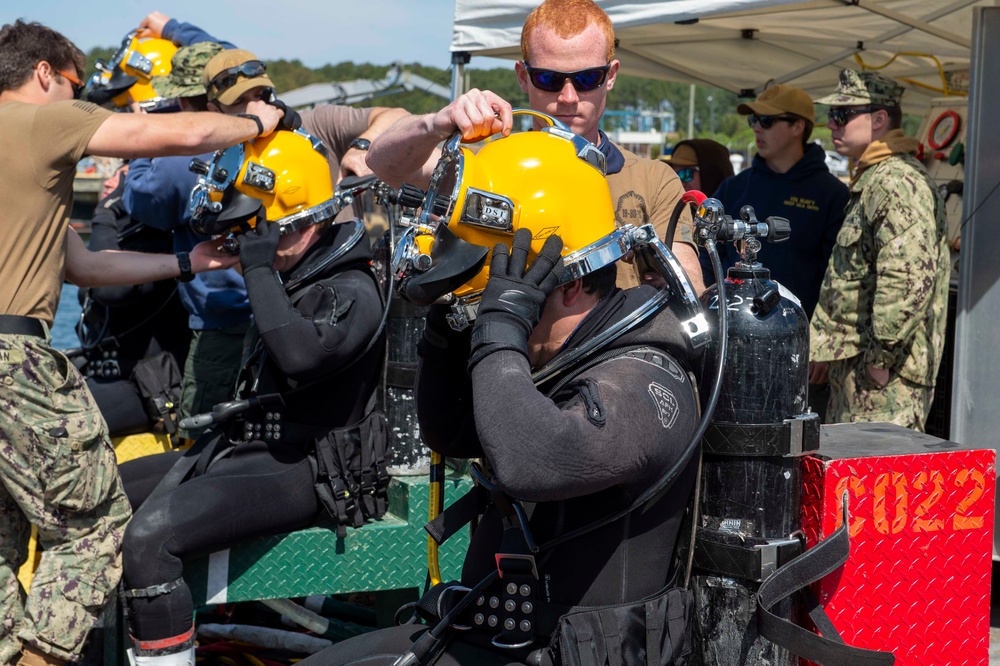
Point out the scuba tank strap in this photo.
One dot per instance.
(822, 559)
(458, 514)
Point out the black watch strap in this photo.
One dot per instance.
(360, 144)
(184, 262)
(260, 125)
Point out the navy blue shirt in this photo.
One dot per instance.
(811, 198)
(157, 192)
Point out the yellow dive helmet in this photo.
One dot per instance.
(551, 182)
(283, 176)
(127, 78)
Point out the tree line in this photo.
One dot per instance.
(715, 114)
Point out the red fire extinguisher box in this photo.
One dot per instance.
(917, 582)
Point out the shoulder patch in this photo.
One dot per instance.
(666, 404)
(84, 105)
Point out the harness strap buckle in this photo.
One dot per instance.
(153, 590)
(444, 606)
(516, 563)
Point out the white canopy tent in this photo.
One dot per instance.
(744, 45)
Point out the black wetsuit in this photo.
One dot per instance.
(128, 323)
(311, 349)
(572, 458)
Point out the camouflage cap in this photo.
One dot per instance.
(864, 88)
(188, 64)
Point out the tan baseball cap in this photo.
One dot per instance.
(779, 99)
(683, 156)
(225, 65)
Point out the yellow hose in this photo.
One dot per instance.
(436, 506)
(944, 89)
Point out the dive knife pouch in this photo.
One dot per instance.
(351, 475)
(158, 381)
(653, 632)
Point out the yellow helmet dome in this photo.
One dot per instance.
(550, 181)
(127, 78)
(286, 174)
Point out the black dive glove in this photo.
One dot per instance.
(513, 299)
(291, 120)
(259, 246)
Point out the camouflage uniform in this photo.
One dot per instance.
(57, 472)
(884, 297)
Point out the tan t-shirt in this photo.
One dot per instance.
(336, 126)
(646, 192)
(40, 146)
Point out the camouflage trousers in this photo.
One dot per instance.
(855, 396)
(58, 473)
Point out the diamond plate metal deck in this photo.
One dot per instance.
(389, 554)
(917, 582)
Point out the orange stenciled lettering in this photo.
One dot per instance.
(936, 482)
(978, 481)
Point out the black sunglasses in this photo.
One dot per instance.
(550, 80)
(841, 116)
(767, 121)
(228, 77)
(686, 174)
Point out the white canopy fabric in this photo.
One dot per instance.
(745, 45)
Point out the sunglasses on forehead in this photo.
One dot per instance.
(767, 121)
(841, 116)
(550, 80)
(687, 173)
(227, 78)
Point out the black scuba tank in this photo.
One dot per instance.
(749, 503)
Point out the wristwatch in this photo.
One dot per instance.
(360, 144)
(184, 262)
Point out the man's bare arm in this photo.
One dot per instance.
(379, 119)
(687, 255)
(129, 135)
(112, 268)
(407, 148)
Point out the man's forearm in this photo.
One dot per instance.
(403, 149)
(111, 268)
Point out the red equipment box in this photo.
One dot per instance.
(917, 582)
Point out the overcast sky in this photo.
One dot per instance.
(316, 32)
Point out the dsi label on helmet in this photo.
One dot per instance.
(485, 209)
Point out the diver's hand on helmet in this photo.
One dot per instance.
(291, 120)
(515, 295)
(259, 246)
(270, 116)
(153, 24)
(476, 115)
(209, 256)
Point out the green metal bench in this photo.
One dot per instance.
(390, 554)
(384, 555)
